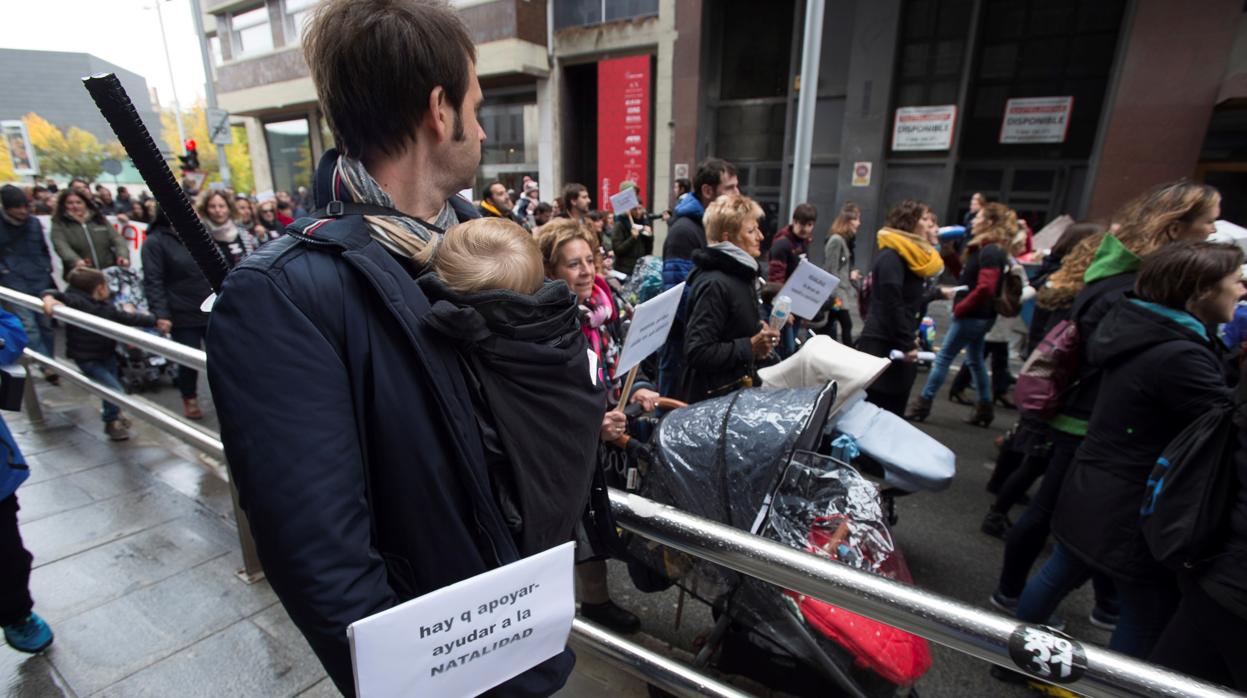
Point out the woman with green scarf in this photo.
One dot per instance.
(897, 283)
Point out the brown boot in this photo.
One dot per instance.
(190, 407)
(116, 430)
(982, 415)
(919, 410)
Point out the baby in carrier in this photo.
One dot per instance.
(537, 400)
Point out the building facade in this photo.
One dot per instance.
(1052, 106)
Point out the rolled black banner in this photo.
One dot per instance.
(113, 102)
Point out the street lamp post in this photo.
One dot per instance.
(209, 85)
(177, 106)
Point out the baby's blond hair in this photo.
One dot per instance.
(489, 253)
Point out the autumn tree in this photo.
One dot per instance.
(195, 121)
(6, 164)
(73, 153)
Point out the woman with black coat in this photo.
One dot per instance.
(1160, 369)
(897, 282)
(725, 336)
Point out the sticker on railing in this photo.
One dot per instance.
(1047, 654)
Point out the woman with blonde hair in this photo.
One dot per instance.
(725, 337)
(974, 311)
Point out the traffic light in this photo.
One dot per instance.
(190, 161)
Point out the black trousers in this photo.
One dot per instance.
(15, 601)
(188, 378)
(1204, 639)
(840, 326)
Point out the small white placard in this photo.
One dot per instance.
(651, 321)
(624, 201)
(809, 287)
(924, 128)
(466, 638)
(1036, 120)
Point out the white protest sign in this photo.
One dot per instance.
(651, 321)
(466, 638)
(809, 287)
(624, 201)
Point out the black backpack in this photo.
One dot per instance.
(1189, 492)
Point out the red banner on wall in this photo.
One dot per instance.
(623, 126)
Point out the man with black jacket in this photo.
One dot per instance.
(345, 416)
(686, 235)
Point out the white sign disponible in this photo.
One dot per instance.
(651, 321)
(924, 128)
(466, 638)
(624, 201)
(1036, 120)
(809, 287)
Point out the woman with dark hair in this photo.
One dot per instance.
(82, 237)
(974, 311)
(244, 215)
(838, 261)
(897, 284)
(725, 337)
(1160, 368)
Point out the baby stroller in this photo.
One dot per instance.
(749, 460)
(138, 370)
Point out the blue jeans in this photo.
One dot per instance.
(104, 372)
(970, 334)
(1061, 574)
(787, 341)
(671, 365)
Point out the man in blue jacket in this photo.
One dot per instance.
(25, 263)
(346, 419)
(686, 235)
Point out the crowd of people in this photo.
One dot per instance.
(340, 343)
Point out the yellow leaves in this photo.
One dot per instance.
(75, 153)
(195, 121)
(6, 164)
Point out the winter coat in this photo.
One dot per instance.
(628, 248)
(981, 273)
(85, 345)
(25, 264)
(174, 286)
(98, 243)
(1110, 276)
(524, 355)
(787, 251)
(838, 261)
(1225, 576)
(685, 236)
(896, 299)
(1160, 370)
(722, 313)
(13, 469)
(350, 434)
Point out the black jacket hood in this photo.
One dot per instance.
(1129, 327)
(710, 259)
(549, 318)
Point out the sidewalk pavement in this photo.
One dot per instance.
(135, 552)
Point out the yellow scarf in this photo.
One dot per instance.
(918, 254)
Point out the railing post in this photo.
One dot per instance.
(251, 571)
(30, 397)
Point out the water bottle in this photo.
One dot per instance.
(779, 312)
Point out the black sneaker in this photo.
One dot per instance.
(611, 616)
(995, 524)
(1102, 619)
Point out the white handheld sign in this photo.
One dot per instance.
(466, 638)
(624, 201)
(809, 287)
(651, 321)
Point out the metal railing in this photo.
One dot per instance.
(981, 634)
(207, 441)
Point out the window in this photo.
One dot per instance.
(932, 51)
(250, 33)
(289, 153)
(214, 47)
(298, 12)
(584, 13)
